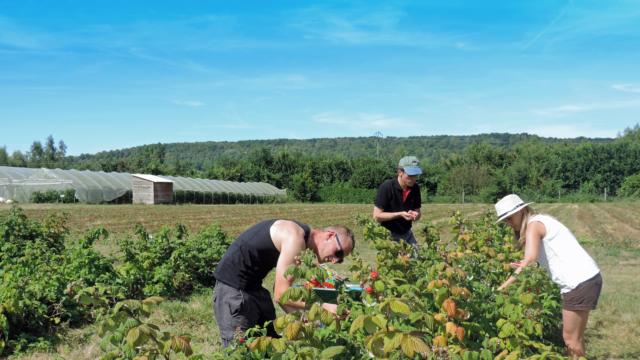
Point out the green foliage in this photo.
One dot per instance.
(479, 168)
(54, 196)
(38, 272)
(344, 193)
(47, 283)
(169, 263)
(304, 188)
(127, 333)
(199, 197)
(437, 303)
(630, 186)
(369, 173)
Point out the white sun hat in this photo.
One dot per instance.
(509, 205)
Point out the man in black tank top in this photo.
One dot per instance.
(240, 302)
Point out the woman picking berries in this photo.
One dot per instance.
(548, 242)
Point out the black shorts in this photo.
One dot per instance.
(585, 296)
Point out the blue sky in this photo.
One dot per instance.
(105, 75)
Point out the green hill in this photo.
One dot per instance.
(428, 148)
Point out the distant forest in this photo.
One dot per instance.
(456, 168)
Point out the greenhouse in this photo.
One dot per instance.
(95, 187)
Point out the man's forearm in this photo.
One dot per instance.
(386, 216)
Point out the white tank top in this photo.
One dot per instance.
(566, 261)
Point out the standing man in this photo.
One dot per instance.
(398, 201)
(239, 301)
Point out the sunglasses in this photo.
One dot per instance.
(340, 252)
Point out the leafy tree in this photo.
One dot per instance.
(36, 154)
(304, 187)
(50, 152)
(630, 186)
(369, 173)
(61, 153)
(4, 157)
(18, 159)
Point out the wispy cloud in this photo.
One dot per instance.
(188, 103)
(567, 131)
(632, 88)
(360, 121)
(278, 81)
(570, 109)
(241, 125)
(367, 27)
(198, 128)
(16, 36)
(589, 20)
(549, 27)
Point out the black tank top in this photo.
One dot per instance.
(251, 257)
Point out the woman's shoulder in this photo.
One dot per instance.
(538, 217)
(545, 219)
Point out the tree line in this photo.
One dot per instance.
(456, 168)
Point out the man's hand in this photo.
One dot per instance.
(409, 215)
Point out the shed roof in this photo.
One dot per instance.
(153, 178)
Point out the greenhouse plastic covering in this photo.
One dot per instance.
(19, 184)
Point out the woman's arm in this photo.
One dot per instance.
(535, 233)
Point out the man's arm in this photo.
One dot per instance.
(291, 238)
(380, 215)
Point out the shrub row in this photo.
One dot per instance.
(42, 275)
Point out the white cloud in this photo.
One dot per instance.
(188, 103)
(16, 36)
(627, 88)
(236, 125)
(360, 121)
(278, 81)
(570, 109)
(561, 110)
(566, 131)
(367, 27)
(584, 20)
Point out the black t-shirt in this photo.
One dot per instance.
(389, 199)
(251, 257)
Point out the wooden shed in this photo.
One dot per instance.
(151, 189)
